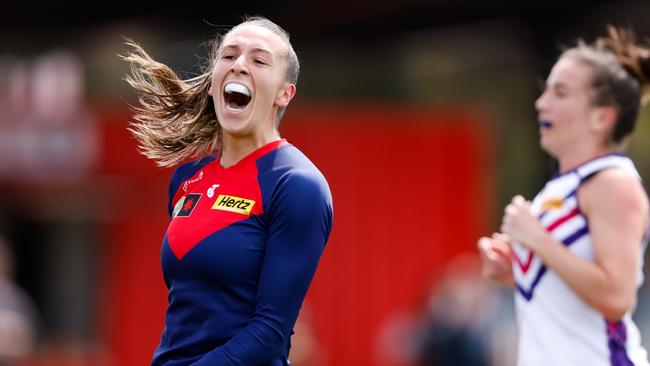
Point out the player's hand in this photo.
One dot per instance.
(520, 224)
(496, 258)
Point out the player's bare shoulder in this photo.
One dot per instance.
(613, 190)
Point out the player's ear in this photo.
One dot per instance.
(285, 94)
(603, 118)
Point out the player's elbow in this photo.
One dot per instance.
(614, 308)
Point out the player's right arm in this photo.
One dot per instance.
(496, 259)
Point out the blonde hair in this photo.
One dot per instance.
(176, 120)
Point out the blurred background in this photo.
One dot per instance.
(419, 113)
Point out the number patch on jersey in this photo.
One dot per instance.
(233, 204)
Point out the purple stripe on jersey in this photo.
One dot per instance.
(528, 295)
(616, 337)
(541, 216)
(575, 170)
(572, 193)
(575, 236)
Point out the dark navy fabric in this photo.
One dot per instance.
(237, 280)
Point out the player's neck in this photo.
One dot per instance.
(578, 157)
(236, 148)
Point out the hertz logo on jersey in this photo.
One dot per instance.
(233, 204)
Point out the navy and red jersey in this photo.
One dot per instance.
(239, 255)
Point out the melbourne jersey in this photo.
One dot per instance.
(238, 256)
(555, 326)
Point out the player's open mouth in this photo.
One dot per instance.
(236, 96)
(544, 123)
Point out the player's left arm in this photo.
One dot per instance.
(616, 208)
(300, 220)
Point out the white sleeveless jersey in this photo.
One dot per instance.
(555, 326)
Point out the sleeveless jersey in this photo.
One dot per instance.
(556, 327)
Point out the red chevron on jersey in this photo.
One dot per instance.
(234, 196)
(524, 266)
(184, 233)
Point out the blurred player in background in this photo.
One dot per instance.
(18, 315)
(574, 254)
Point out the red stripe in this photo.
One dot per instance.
(524, 266)
(562, 220)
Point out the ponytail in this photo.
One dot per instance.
(634, 58)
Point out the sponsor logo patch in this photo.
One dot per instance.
(238, 205)
(186, 204)
(187, 183)
(552, 204)
(211, 190)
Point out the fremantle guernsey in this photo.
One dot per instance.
(239, 255)
(555, 326)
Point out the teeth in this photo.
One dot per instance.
(237, 88)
